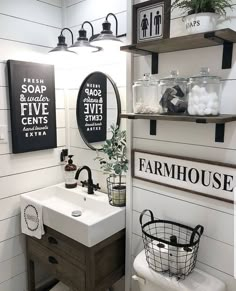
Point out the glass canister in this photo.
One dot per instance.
(145, 95)
(204, 94)
(173, 90)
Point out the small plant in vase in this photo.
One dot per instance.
(202, 14)
(116, 165)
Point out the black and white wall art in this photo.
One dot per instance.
(91, 108)
(98, 107)
(151, 20)
(32, 105)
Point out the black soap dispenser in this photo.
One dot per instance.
(70, 170)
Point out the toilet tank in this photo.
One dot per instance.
(150, 280)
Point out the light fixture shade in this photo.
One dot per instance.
(82, 45)
(106, 37)
(61, 46)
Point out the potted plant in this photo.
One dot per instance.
(202, 14)
(116, 165)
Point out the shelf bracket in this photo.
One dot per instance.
(155, 63)
(153, 127)
(220, 132)
(227, 49)
(227, 55)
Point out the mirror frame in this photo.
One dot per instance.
(117, 101)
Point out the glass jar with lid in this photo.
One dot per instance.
(145, 95)
(173, 90)
(204, 94)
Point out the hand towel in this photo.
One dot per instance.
(31, 217)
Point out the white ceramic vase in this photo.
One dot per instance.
(200, 22)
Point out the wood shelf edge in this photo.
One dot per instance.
(226, 34)
(221, 119)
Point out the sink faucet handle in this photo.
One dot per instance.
(96, 187)
(84, 183)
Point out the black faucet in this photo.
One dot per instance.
(88, 183)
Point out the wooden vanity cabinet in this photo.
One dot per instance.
(79, 267)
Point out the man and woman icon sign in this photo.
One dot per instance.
(147, 24)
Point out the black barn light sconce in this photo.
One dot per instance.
(83, 45)
(106, 36)
(62, 46)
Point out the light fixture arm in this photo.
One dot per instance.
(88, 22)
(112, 14)
(72, 37)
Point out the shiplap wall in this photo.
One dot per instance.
(112, 63)
(29, 28)
(190, 140)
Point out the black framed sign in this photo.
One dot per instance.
(206, 178)
(91, 108)
(98, 107)
(151, 20)
(32, 105)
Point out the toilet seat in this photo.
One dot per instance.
(196, 281)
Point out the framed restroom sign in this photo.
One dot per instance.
(202, 177)
(91, 109)
(32, 106)
(151, 20)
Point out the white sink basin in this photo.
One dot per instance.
(99, 220)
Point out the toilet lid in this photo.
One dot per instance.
(196, 281)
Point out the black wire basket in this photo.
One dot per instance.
(170, 247)
(116, 187)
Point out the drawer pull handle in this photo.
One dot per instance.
(52, 240)
(52, 260)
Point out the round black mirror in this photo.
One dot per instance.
(98, 107)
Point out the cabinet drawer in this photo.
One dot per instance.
(64, 246)
(59, 267)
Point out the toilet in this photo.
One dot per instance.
(150, 280)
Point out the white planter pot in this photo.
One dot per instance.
(201, 22)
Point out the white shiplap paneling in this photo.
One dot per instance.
(29, 28)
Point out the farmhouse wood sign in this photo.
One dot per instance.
(213, 180)
(32, 104)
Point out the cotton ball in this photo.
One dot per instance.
(203, 91)
(215, 112)
(195, 89)
(196, 99)
(190, 103)
(190, 110)
(193, 110)
(214, 97)
(200, 112)
(201, 108)
(210, 104)
(215, 105)
(204, 99)
(207, 111)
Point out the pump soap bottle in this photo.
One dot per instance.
(70, 170)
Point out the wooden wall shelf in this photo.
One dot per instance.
(225, 37)
(219, 121)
